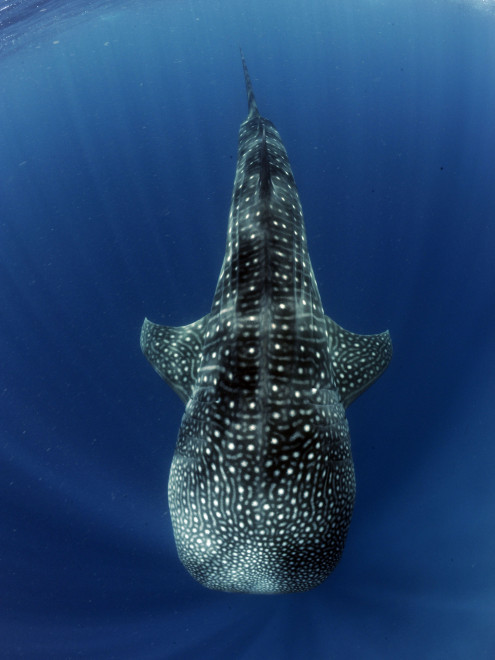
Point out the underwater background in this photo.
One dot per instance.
(118, 139)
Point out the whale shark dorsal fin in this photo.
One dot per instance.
(358, 360)
(175, 353)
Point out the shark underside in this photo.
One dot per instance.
(261, 487)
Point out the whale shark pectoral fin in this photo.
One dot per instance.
(358, 360)
(175, 353)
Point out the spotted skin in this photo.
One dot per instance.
(261, 487)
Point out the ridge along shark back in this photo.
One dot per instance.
(261, 488)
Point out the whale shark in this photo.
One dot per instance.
(262, 486)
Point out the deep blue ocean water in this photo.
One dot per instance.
(118, 138)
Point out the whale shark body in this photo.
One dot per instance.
(261, 488)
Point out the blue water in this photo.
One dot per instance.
(118, 137)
